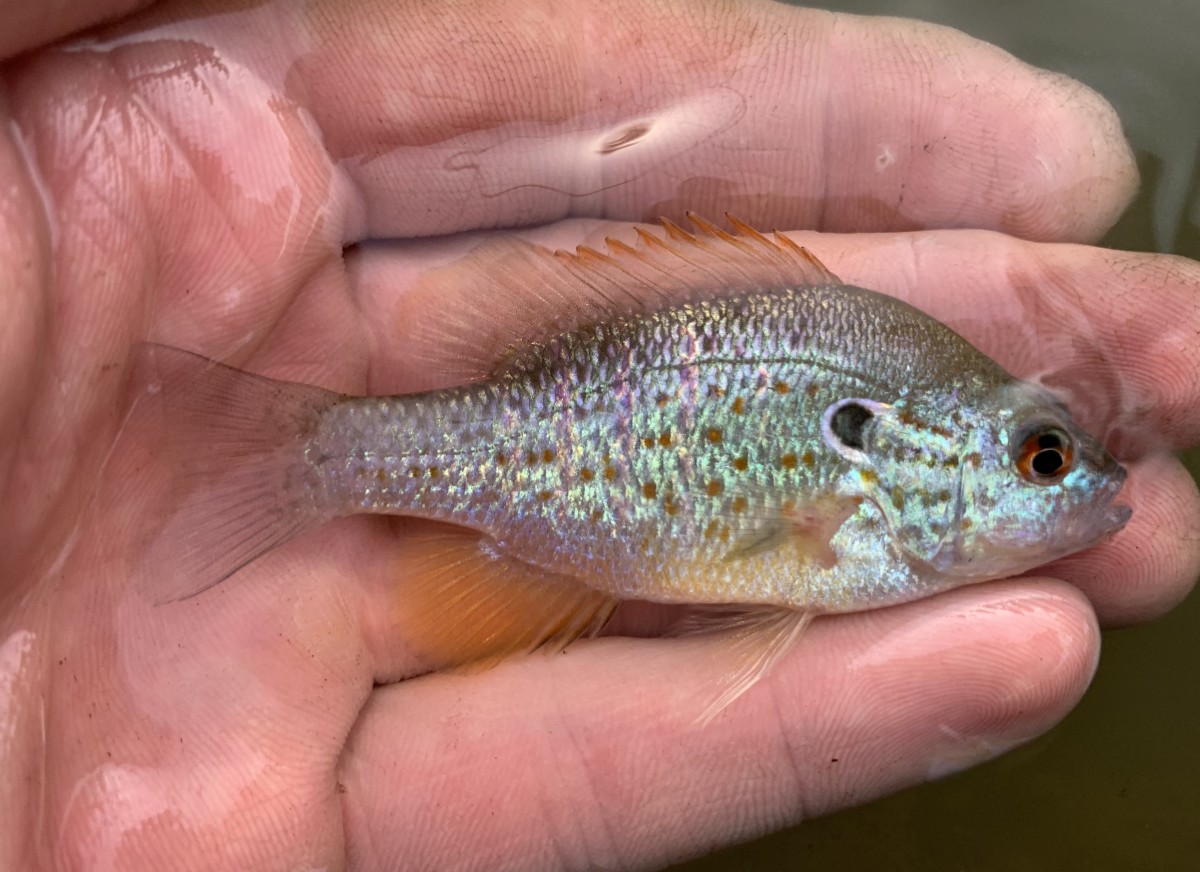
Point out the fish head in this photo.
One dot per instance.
(985, 488)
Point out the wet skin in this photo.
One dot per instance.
(203, 180)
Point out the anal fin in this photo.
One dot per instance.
(464, 603)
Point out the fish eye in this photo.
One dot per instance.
(1045, 455)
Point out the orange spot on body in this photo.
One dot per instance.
(739, 406)
(531, 458)
(586, 474)
(501, 458)
(545, 495)
(715, 436)
(714, 488)
(782, 387)
(649, 490)
(670, 506)
(609, 473)
(739, 505)
(788, 461)
(741, 464)
(648, 441)
(808, 459)
(664, 439)
(811, 389)
(434, 472)
(548, 455)
(380, 476)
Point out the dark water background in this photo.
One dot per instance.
(1117, 785)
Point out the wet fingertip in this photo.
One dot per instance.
(1107, 173)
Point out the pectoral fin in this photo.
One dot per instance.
(463, 602)
(808, 529)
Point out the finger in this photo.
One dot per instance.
(1112, 331)
(1085, 331)
(850, 123)
(864, 706)
(27, 25)
(634, 110)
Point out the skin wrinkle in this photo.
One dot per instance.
(611, 846)
(801, 790)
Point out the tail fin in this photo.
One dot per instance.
(233, 448)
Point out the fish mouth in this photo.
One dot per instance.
(1107, 517)
(1099, 522)
(1113, 519)
(1111, 516)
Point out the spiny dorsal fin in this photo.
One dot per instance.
(509, 292)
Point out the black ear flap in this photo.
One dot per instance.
(845, 424)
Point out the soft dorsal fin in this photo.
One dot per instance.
(509, 292)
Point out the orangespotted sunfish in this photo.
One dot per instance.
(715, 419)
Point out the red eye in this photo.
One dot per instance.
(1045, 456)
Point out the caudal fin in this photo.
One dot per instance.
(232, 446)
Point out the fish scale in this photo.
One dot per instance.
(635, 448)
(704, 419)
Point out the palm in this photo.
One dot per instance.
(202, 186)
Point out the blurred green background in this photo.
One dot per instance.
(1117, 785)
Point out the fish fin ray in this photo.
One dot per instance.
(229, 444)
(534, 293)
(465, 604)
(752, 639)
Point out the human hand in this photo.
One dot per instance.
(194, 177)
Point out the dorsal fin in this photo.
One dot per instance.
(509, 292)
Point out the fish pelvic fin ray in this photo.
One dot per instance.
(534, 294)
(465, 604)
(231, 446)
(752, 640)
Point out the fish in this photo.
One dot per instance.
(707, 418)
